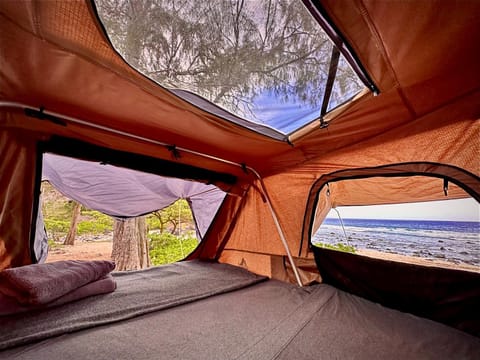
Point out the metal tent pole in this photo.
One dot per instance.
(17, 105)
(279, 229)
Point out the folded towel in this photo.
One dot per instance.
(9, 306)
(39, 284)
(103, 285)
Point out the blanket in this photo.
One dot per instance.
(138, 293)
(40, 284)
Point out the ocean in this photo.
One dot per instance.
(454, 241)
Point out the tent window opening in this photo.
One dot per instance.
(92, 211)
(441, 233)
(265, 65)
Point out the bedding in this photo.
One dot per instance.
(9, 306)
(260, 320)
(40, 284)
(137, 293)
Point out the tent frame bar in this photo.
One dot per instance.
(58, 119)
(279, 227)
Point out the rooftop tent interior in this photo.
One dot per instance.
(416, 111)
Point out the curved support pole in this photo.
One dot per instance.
(343, 227)
(16, 105)
(279, 229)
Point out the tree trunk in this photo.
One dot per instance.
(130, 245)
(72, 232)
(143, 253)
(174, 224)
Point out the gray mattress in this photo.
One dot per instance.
(260, 320)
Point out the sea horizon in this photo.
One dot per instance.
(454, 241)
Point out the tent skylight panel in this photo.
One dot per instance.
(266, 62)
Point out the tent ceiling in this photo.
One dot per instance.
(264, 61)
(48, 42)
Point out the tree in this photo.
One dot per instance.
(72, 232)
(229, 52)
(174, 215)
(130, 244)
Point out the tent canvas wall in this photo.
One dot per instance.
(64, 87)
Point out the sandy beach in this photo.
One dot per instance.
(416, 260)
(82, 250)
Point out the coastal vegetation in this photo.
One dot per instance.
(337, 246)
(170, 232)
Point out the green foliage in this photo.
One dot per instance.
(94, 228)
(338, 247)
(53, 245)
(153, 223)
(56, 228)
(95, 223)
(166, 248)
(97, 216)
(58, 210)
(174, 218)
(58, 217)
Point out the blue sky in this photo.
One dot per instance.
(454, 210)
(285, 116)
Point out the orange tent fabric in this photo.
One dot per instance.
(422, 56)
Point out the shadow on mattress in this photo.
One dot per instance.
(269, 320)
(138, 292)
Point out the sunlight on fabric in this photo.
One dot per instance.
(266, 62)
